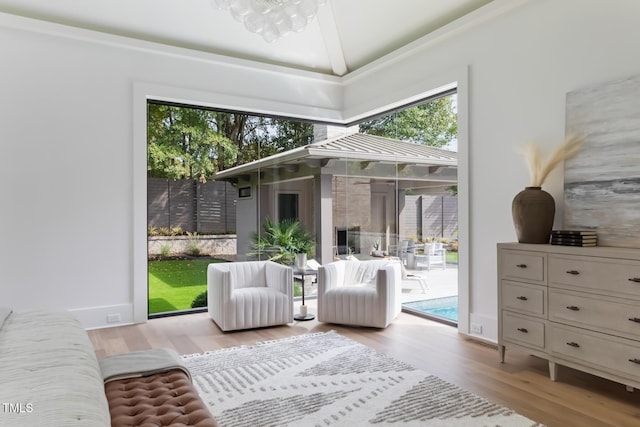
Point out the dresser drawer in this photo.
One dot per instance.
(524, 331)
(598, 350)
(523, 265)
(595, 274)
(523, 298)
(610, 315)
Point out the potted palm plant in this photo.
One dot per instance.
(285, 242)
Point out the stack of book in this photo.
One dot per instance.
(574, 237)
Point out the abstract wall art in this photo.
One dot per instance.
(602, 182)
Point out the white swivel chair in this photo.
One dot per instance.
(361, 293)
(251, 294)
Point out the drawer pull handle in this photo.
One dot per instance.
(523, 330)
(635, 360)
(634, 279)
(634, 319)
(525, 266)
(573, 308)
(574, 272)
(573, 344)
(522, 298)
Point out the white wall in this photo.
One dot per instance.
(66, 133)
(521, 65)
(67, 138)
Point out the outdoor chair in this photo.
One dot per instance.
(360, 293)
(407, 253)
(251, 294)
(434, 254)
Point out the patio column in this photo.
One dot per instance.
(324, 219)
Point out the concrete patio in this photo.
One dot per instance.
(440, 283)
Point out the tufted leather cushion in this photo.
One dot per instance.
(165, 399)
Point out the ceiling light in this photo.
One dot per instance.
(271, 19)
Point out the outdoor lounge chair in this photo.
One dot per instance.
(434, 254)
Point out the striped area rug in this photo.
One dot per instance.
(326, 379)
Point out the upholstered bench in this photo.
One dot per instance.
(165, 399)
(152, 388)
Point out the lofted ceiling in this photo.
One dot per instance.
(345, 35)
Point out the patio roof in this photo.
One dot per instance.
(358, 147)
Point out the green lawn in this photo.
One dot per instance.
(173, 284)
(452, 257)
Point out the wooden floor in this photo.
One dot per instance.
(521, 383)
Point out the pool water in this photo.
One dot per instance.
(445, 308)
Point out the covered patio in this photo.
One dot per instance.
(350, 191)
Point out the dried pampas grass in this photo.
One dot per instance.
(540, 169)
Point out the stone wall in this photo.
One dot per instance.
(215, 245)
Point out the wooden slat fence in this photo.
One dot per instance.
(194, 206)
(431, 216)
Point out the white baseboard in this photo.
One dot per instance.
(104, 317)
(488, 326)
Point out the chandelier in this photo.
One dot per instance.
(271, 19)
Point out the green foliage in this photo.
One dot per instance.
(185, 143)
(433, 123)
(193, 247)
(164, 231)
(165, 250)
(286, 135)
(200, 300)
(281, 241)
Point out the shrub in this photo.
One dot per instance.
(281, 241)
(153, 231)
(192, 244)
(165, 250)
(177, 231)
(163, 231)
(200, 300)
(453, 246)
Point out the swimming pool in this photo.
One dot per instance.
(443, 308)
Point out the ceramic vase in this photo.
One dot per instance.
(533, 210)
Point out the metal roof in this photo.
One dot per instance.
(357, 146)
(371, 147)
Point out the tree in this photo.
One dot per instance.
(185, 143)
(433, 123)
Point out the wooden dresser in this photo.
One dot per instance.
(573, 306)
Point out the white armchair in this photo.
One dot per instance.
(362, 293)
(252, 294)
